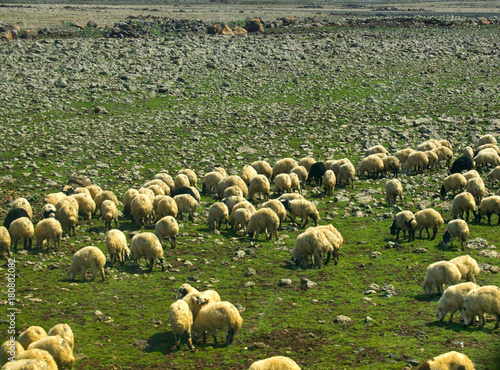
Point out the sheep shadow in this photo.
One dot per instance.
(163, 343)
(426, 298)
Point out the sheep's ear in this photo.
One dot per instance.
(206, 300)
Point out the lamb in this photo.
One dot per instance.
(24, 204)
(217, 213)
(471, 174)
(14, 214)
(275, 362)
(263, 168)
(64, 331)
(453, 182)
(116, 244)
(392, 164)
(463, 203)
(403, 154)
(295, 182)
(109, 213)
(259, 185)
(329, 180)
(263, 219)
(180, 318)
(48, 229)
(432, 159)
(301, 173)
(85, 258)
(186, 203)
(456, 228)
(248, 173)
(59, 349)
(480, 301)
(23, 229)
(218, 316)
(302, 208)
(127, 200)
(316, 172)
(449, 360)
(393, 189)
(277, 207)
(452, 300)
(346, 175)
(416, 162)
(147, 245)
(241, 218)
(167, 206)
(166, 178)
(141, 208)
(284, 165)
(210, 181)
(467, 266)
(444, 154)
(283, 183)
(184, 290)
(193, 178)
(86, 205)
(476, 187)
(30, 335)
(231, 181)
(404, 220)
(488, 206)
(232, 190)
(306, 162)
(10, 348)
(39, 356)
(4, 242)
(486, 139)
(428, 218)
(371, 165)
(441, 273)
(105, 195)
(376, 149)
(463, 163)
(494, 175)
(181, 181)
(468, 152)
(311, 242)
(53, 198)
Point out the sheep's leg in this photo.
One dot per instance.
(451, 317)
(318, 262)
(204, 337)
(496, 322)
(489, 218)
(116, 223)
(191, 217)
(173, 242)
(102, 273)
(467, 216)
(190, 342)
(328, 256)
(152, 262)
(214, 334)
(482, 320)
(434, 232)
(177, 341)
(441, 289)
(82, 272)
(305, 223)
(161, 264)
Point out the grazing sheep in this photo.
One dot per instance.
(403, 154)
(87, 258)
(494, 175)
(23, 229)
(301, 173)
(47, 229)
(259, 185)
(231, 181)
(427, 145)
(456, 228)
(24, 204)
(109, 213)
(93, 190)
(486, 139)
(167, 228)
(232, 190)
(432, 159)
(371, 165)
(452, 300)
(141, 208)
(265, 219)
(275, 362)
(336, 164)
(127, 200)
(277, 207)
(241, 218)
(311, 242)
(217, 213)
(346, 175)
(468, 152)
(404, 220)
(444, 154)
(186, 203)
(221, 170)
(241, 205)
(147, 245)
(494, 147)
(283, 183)
(184, 290)
(156, 201)
(218, 316)
(393, 189)
(316, 172)
(64, 331)
(58, 348)
(463, 203)
(329, 180)
(106, 195)
(210, 181)
(471, 174)
(295, 182)
(336, 241)
(307, 162)
(392, 164)
(463, 163)
(165, 189)
(167, 206)
(441, 273)
(30, 335)
(116, 244)
(181, 181)
(467, 266)
(416, 162)
(302, 208)
(248, 173)
(189, 190)
(10, 348)
(14, 214)
(38, 356)
(146, 191)
(476, 187)
(5, 242)
(428, 218)
(449, 360)
(157, 190)
(284, 165)
(193, 178)
(86, 205)
(376, 149)
(488, 206)
(67, 215)
(263, 168)
(290, 196)
(180, 318)
(446, 144)
(166, 178)
(232, 201)
(54, 198)
(479, 302)
(453, 182)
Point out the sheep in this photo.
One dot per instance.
(186, 203)
(189, 190)
(416, 162)
(404, 220)
(218, 316)
(463, 163)
(82, 191)
(393, 189)
(10, 349)
(453, 182)
(180, 181)
(105, 195)
(403, 154)
(109, 213)
(69, 200)
(306, 162)
(180, 318)
(5, 242)
(445, 143)
(156, 201)
(452, 300)
(241, 205)
(221, 170)
(456, 228)
(471, 174)
(480, 301)
(241, 218)
(230, 181)
(24, 204)
(53, 198)
(275, 362)
(23, 229)
(432, 159)
(248, 173)
(371, 165)
(463, 203)
(210, 181)
(167, 206)
(59, 349)
(444, 154)
(329, 180)
(14, 214)
(427, 145)
(376, 149)
(494, 175)
(302, 208)
(148, 192)
(116, 244)
(467, 266)
(488, 206)
(295, 182)
(86, 205)
(495, 148)
(28, 364)
(277, 207)
(165, 189)
(36, 355)
(167, 227)
(30, 335)
(127, 200)
(93, 190)
(141, 209)
(157, 190)
(301, 173)
(346, 175)
(147, 245)
(476, 187)
(290, 196)
(259, 185)
(284, 165)
(263, 219)
(67, 215)
(335, 239)
(316, 172)
(166, 178)
(428, 218)
(217, 213)
(184, 290)
(311, 242)
(196, 301)
(336, 164)
(263, 168)
(392, 164)
(486, 139)
(85, 258)
(468, 152)
(283, 183)
(232, 190)
(441, 273)
(232, 201)
(64, 331)
(47, 229)
(192, 177)
(448, 360)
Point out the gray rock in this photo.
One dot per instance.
(284, 282)
(341, 319)
(308, 284)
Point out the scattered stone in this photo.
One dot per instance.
(284, 282)
(250, 272)
(341, 319)
(249, 284)
(489, 253)
(308, 284)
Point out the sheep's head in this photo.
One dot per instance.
(393, 228)
(199, 300)
(439, 315)
(286, 204)
(428, 288)
(446, 237)
(465, 316)
(442, 192)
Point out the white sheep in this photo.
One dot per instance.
(196, 193)
(479, 302)
(59, 349)
(290, 196)
(445, 143)
(241, 218)
(277, 207)
(193, 178)
(335, 239)
(488, 206)
(184, 290)
(87, 258)
(180, 318)
(453, 182)
(64, 331)
(275, 362)
(10, 348)
(259, 185)
(371, 165)
(311, 242)
(301, 173)
(428, 218)
(232, 201)
(47, 229)
(346, 175)
(283, 183)
(197, 300)
(54, 198)
(335, 165)
(93, 190)
(263, 168)
(127, 200)
(376, 149)
(456, 229)
(486, 139)
(167, 206)
(448, 360)
(156, 201)
(471, 174)
(393, 189)
(165, 189)
(221, 170)
(467, 266)
(166, 178)
(105, 195)
(167, 228)
(307, 162)
(404, 220)
(157, 189)
(210, 181)
(232, 191)
(86, 205)
(68, 200)
(444, 154)
(181, 181)
(241, 205)
(5, 242)
(116, 244)
(248, 173)
(109, 212)
(231, 181)
(329, 180)
(48, 210)
(147, 191)
(494, 175)
(187, 203)
(141, 208)
(24, 204)
(265, 219)
(302, 208)
(21, 229)
(217, 213)
(486, 158)
(392, 164)
(441, 273)
(476, 187)
(490, 146)
(468, 152)
(34, 356)
(452, 300)
(295, 182)
(147, 245)
(432, 159)
(218, 316)
(284, 165)
(403, 154)
(463, 203)
(428, 145)
(416, 162)
(30, 335)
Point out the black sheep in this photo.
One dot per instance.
(316, 172)
(463, 163)
(14, 214)
(183, 190)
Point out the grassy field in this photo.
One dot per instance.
(120, 111)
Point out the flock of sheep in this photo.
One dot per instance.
(163, 200)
